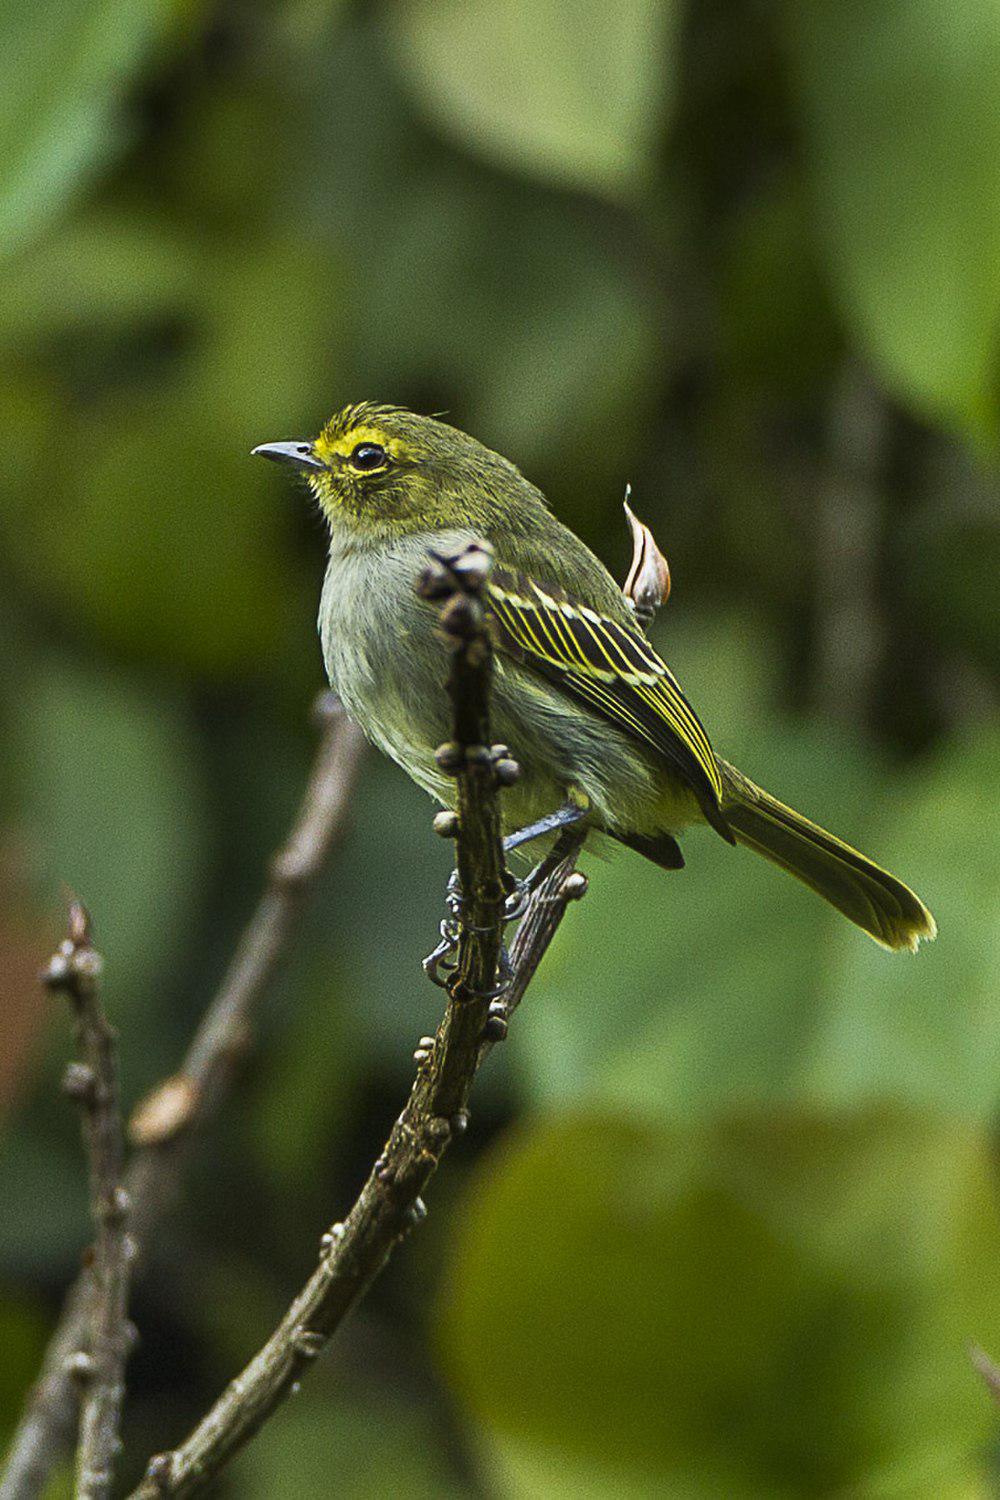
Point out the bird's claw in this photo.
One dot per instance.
(439, 965)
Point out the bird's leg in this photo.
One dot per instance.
(438, 965)
(564, 817)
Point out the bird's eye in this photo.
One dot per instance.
(369, 456)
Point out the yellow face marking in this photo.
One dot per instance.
(327, 449)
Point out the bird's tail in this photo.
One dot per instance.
(880, 904)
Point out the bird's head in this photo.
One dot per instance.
(386, 471)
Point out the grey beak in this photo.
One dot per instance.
(299, 454)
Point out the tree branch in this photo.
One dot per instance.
(353, 1252)
(92, 1081)
(164, 1123)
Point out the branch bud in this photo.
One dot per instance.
(574, 887)
(507, 770)
(449, 756)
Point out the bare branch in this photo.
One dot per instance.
(92, 1081)
(556, 885)
(193, 1094)
(165, 1122)
(353, 1252)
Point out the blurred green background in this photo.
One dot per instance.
(727, 1215)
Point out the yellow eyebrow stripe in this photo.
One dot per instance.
(345, 443)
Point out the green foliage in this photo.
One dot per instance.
(69, 64)
(116, 811)
(899, 106)
(923, 1032)
(109, 270)
(23, 1331)
(737, 1218)
(775, 1305)
(696, 1021)
(381, 1447)
(578, 94)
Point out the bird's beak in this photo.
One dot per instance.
(299, 454)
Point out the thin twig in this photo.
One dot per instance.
(985, 1367)
(92, 1081)
(556, 885)
(164, 1124)
(353, 1252)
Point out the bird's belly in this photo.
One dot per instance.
(407, 717)
(385, 662)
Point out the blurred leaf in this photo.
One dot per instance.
(111, 269)
(316, 1062)
(108, 778)
(195, 571)
(22, 1338)
(47, 1233)
(272, 329)
(730, 981)
(378, 943)
(239, 116)
(777, 1307)
(953, 584)
(335, 1442)
(779, 333)
(166, 537)
(62, 1483)
(574, 93)
(488, 296)
(950, 555)
(68, 64)
(923, 1027)
(901, 107)
(517, 307)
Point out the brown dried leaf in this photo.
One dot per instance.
(648, 583)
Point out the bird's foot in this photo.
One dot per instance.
(439, 965)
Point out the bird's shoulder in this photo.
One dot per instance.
(536, 546)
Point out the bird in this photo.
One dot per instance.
(599, 725)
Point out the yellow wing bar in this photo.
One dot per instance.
(613, 669)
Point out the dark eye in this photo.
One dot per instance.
(369, 456)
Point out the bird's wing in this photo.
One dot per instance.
(612, 669)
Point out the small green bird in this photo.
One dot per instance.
(596, 720)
